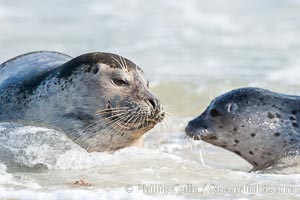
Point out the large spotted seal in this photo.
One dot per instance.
(100, 100)
(259, 125)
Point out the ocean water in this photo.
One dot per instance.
(191, 51)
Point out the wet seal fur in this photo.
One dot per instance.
(100, 100)
(261, 126)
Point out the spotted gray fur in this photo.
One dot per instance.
(259, 125)
(100, 100)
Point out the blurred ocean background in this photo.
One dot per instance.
(191, 51)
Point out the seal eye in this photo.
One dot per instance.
(214, 113)
(119, 82)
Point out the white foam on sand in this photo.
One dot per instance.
(9, 182)
(75, 159)
(115, 194)
(109, 173)
(28, 145)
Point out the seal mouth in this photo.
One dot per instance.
(197, 131)
(157, 118)
(196, 134)
(154, 121)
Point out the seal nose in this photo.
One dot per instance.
(152, 103)
(196, 128)
(188, 129)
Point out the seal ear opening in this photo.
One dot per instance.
(231, 108)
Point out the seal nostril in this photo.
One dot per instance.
(152, 103)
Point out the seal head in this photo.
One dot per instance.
(101, 101)
(259, 125)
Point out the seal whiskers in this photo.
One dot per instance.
(99, 100)
(120, 116)
(112, 125)
(105, 118)
(108, 130)
(118, 62)
(111, 128)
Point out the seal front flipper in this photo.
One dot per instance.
(30, 65)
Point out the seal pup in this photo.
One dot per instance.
(259, 125)
(101, 101)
